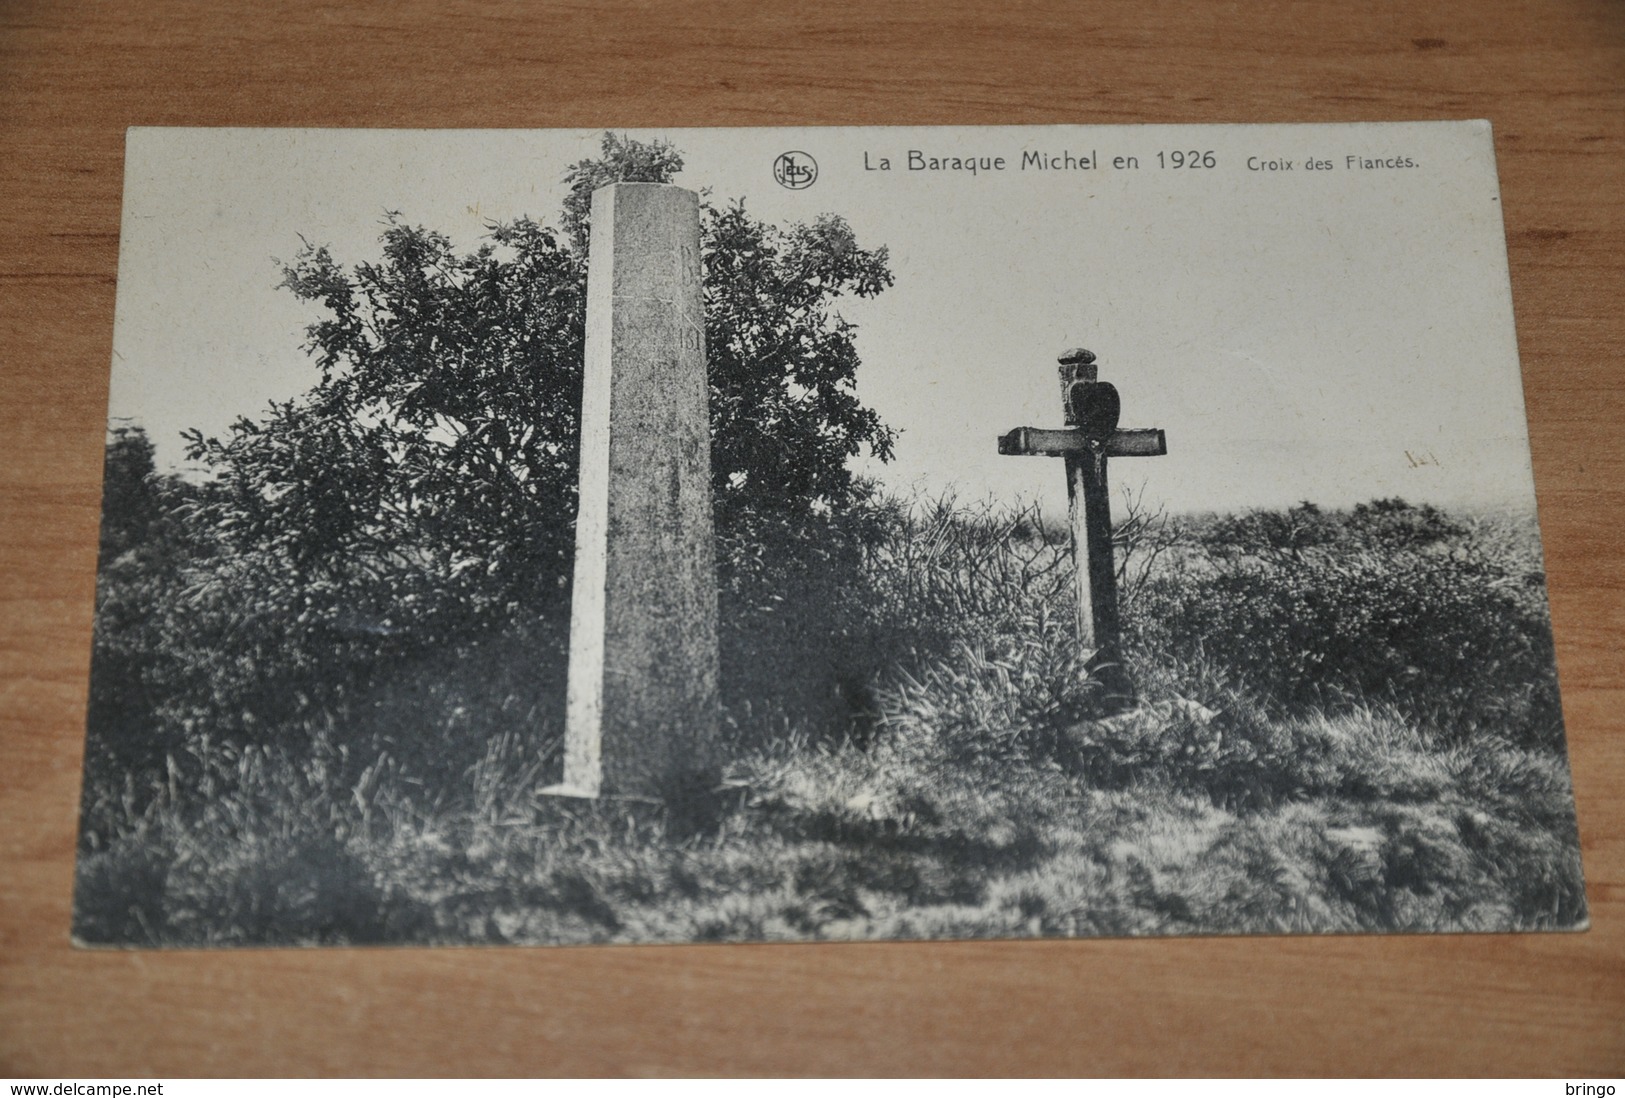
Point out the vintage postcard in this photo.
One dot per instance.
(798, 534)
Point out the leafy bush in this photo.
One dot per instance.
(1388, 604)
(816, 614)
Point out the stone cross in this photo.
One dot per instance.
(1092, 408)
(642, 710)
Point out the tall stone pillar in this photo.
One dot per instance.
(642, 710)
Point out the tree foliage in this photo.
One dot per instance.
(443, 429)
(441, 436)
(129, 504)
(785, 414)
(620, 160)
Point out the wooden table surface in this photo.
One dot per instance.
(73, 75)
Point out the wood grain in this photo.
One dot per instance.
(73, 75)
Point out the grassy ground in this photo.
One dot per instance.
(975, 787)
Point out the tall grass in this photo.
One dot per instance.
(1345, 723)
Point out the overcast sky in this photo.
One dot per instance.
(1332, 335)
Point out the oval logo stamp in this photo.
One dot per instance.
(796, 170)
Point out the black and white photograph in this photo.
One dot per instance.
(725, 535)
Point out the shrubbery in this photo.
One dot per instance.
(918, 750)
(1387, 604)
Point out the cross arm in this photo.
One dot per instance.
(1132, 442)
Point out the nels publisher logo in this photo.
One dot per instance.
(795, 170)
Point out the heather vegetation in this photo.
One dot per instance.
(918, 752)
(328, 680)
